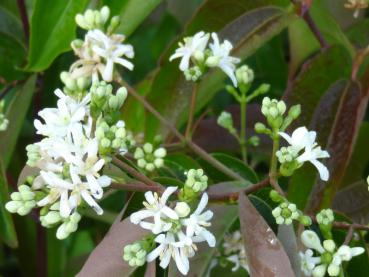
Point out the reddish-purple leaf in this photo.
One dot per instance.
(265, 254)
(106, 259)
(151, 269)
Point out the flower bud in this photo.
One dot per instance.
(260, 128)
(114, 23)
(212, 61)
(182, 209)
(329, 245)
(244, 75)
(311, 240)
(319, 271)
(104, 13)
(295, 111)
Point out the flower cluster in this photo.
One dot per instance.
(286, 212)
(101, 48)
(329, 258)
(3, 121)
(234, 250)
(149, 158)
(196, 56)
(175, 229)
(80, 135)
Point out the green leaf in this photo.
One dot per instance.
(234, 164)
(7, 230)
(263, 249)
(16, 113)
(247, 24)
(52, 30)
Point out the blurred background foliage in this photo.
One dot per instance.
(268, 35)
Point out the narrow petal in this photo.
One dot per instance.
(323, 170)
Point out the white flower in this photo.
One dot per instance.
(156, 207)
(302, 139)
(112, 50)
(168, 247)
(60, 121)
(234, 249)
(308, 262)
(311, 240)
(221, 58)
(346, 253)
(198, 221)
(192, 46)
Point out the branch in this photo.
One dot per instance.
(23, 13)
(194, 147)
(310, 22)
(138, 175)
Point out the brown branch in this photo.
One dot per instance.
(138, 175)
(349, 235)
(304, 13)
(194, 147)
(136, 186)
(23, 13)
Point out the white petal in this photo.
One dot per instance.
(155, 253)
(202, 204)
(166, 194)
(140, 215)
(323, 170)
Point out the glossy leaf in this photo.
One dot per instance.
(345, 128)
(16, 113)
(265, 254)
(234, 164)
(106, 259)
(247, 25)
(52, 30)
(7, 230)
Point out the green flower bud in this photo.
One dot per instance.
(244, 75)
(260, 128)
(225, 120)
(193, 74)
(114, 23)
(325, 217)
(104, 14)
(196, 180)
(295, 111)
(254, 140)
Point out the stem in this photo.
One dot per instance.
(139, 176)
(310, 22)
(191, 113)
(136, 186)
(194, 147)
(23, 13)
(349, 235)
(273, 175)
(243, 145)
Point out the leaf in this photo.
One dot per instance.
(133, 12)
(52, 30)
(312, 82)
(287, 237)
(247, 24)
(234, 164)
(224, 217)
(106, 259)
(303, 43)
(7, 230)
(353, 201)
(16, 113)
(344, 131)
(265, 254)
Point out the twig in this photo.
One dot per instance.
(191, 112)
(312, 25)
(136, 186)
(139, 176)
(349, 235)
(194, 147)
(345, 225)
(23, 13)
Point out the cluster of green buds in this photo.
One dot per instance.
(149, 158)
(287, 158)
(325, 219)
(193, 73)
(75, 87)
(33, 154)
(245, 77)
(3, 121)
(103, 101)
(225, 120)
(111, 139)
(196, 182)
(97, 19)
(286, 212)
(135, 254)
(22, 201)
(50, 217)
(274, 111)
